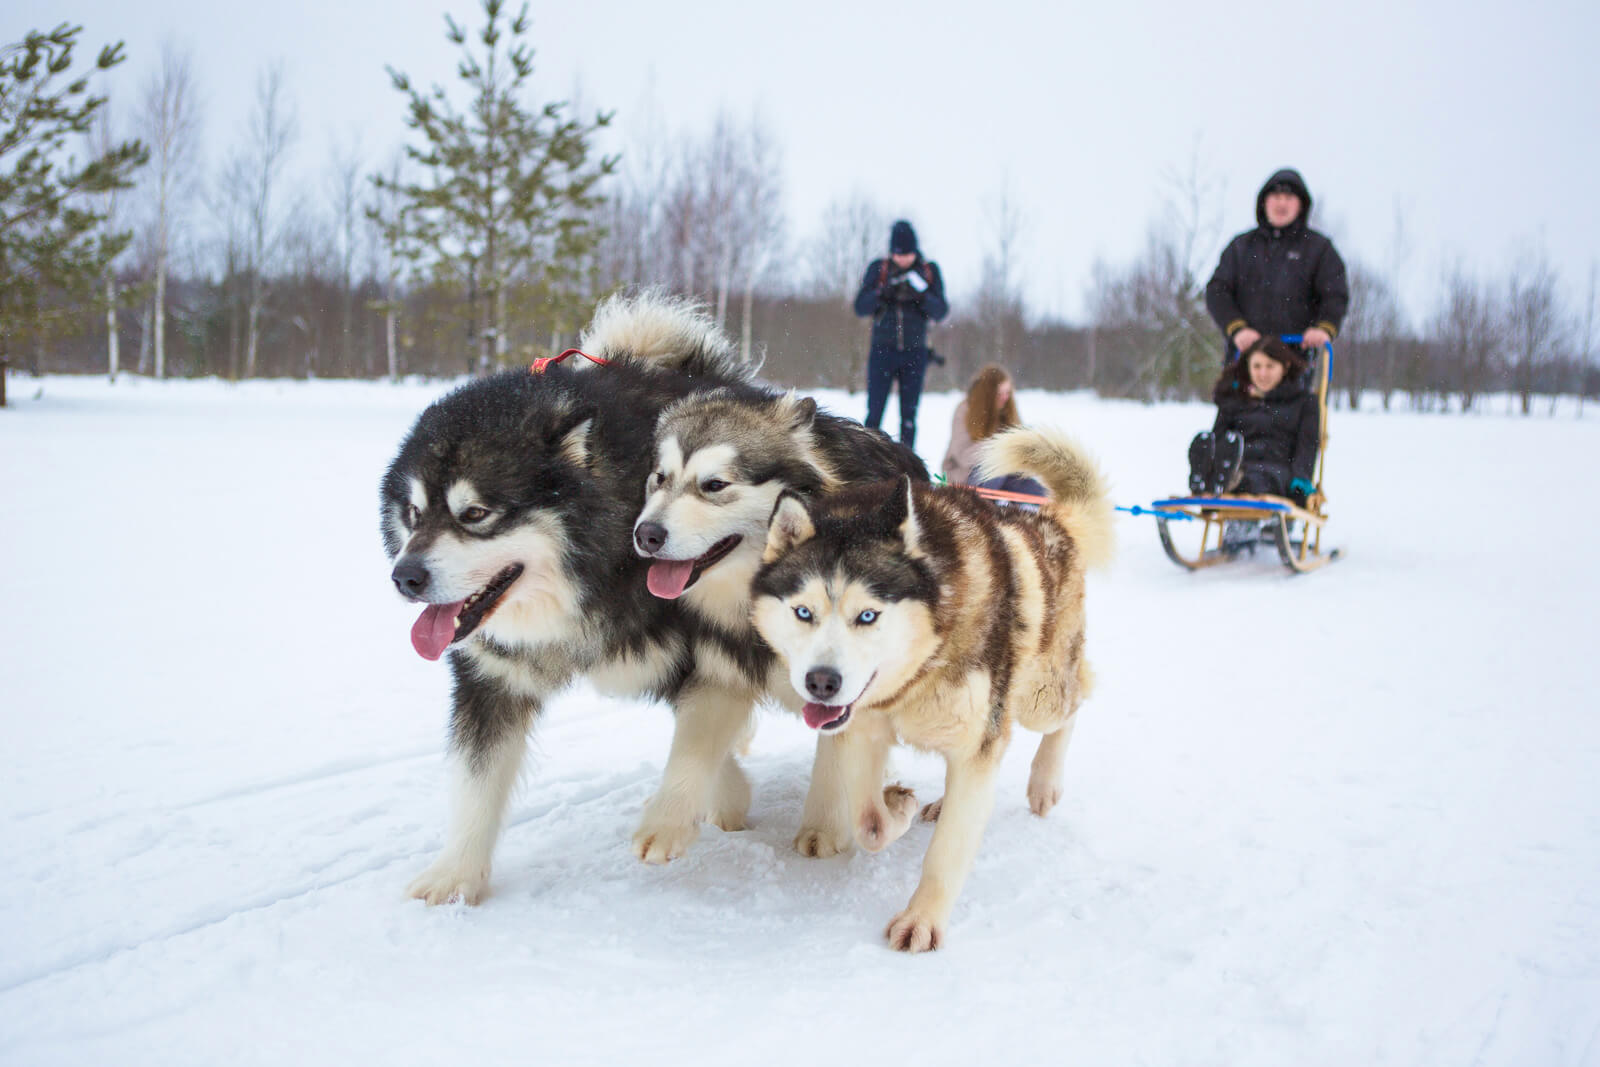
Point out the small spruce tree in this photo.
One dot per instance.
(507, 192)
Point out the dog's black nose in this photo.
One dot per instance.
(650, 536)
(823, 682)
(410, 577)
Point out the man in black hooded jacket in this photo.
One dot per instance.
(902, 293)
(1282, 277)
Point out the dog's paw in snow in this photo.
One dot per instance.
(448, 881)
(663, 842)
(1042, 796)
(914, 931)
(820, 843)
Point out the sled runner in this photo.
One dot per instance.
(1234, 524)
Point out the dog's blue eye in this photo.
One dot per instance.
(867, 618)
(713, 486)
(803, 613)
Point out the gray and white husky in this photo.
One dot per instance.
(722, 459)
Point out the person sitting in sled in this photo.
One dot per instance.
(1266, 434)
(990, 406)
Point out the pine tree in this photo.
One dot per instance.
(52, 239)
(508, 194)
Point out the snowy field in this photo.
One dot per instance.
(1345, 818)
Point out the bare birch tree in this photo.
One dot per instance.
(1469, 329)
(1535, 321)
(170, 121)
(272, 132)
(998, 308)
(853, 232)
(102, 140)
(345, 188)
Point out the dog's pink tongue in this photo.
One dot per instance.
(434, 629)
(669, 577)
(819, 715)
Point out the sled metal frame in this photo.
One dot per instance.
(1296, 531)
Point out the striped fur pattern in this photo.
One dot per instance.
(904, 612)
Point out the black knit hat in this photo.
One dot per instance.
(902, 238)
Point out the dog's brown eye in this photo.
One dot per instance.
(474, 514)
(657, 478)
(713, 486)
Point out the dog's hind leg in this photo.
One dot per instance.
(489, 735)
(701, 777)
(1044, 781)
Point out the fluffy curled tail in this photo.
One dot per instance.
(663, 331)
(1081, 500)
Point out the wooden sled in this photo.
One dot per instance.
(1296, 531)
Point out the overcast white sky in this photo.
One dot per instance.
(1478, 122)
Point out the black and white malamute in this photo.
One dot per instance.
(509, 514)
(722, 459)
(927, 615)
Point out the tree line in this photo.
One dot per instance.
(486, 240)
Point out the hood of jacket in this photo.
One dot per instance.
(1290, 177)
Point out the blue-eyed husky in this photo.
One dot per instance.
(928, 615)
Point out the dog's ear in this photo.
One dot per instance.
(901, 514)
(791, 527)
(801, 411)
(571, 435)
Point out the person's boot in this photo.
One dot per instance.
(1202, 455)
(1227, 469)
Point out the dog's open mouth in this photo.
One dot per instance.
(668, 578)
(826, 716)
(440, 625)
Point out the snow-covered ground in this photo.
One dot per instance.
(1346, 818)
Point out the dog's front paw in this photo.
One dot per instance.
(1042, 796)
(931, 812)
(914, 931)
(820, 844)
(878, 827)
(901, 802)
(449, 880)
(663, 842)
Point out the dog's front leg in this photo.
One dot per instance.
(968, 800)
(701, 778)
(825, 825)
(880, 814)
(488, 737)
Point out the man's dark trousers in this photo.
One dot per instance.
(886, 366)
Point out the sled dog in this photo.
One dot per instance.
(721, 461)
(928, 615)
(508, 514)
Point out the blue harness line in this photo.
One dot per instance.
(1137, 510)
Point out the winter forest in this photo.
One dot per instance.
(140, 238)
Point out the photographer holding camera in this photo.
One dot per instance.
(902, 293)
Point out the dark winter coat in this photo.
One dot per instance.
(900, 314)
(1279, 429)
(1279, 281)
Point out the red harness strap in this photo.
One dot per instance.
(1001, 494)
(539, 365)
